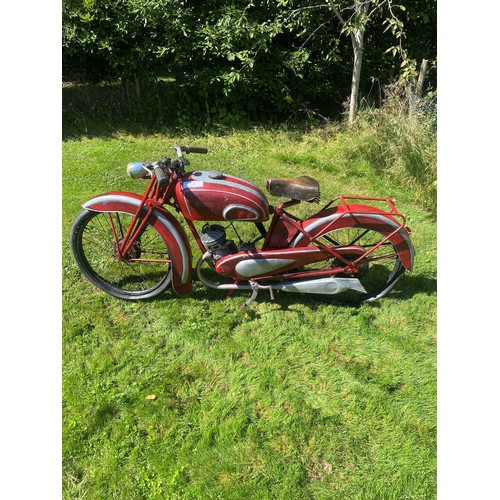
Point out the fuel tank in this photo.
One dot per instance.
(214, 196)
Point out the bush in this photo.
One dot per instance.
(399, 142)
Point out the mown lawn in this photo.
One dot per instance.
(289, 398)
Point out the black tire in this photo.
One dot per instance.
(93, 247)
(379, 273)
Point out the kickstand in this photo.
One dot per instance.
(255, 290)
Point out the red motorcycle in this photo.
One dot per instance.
(133, 248)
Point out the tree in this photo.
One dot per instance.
(265, 59)
(355, 27)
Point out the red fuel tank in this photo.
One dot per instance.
(214, 196)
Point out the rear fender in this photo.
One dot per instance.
(359, 215)
(164, 222)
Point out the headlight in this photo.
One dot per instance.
(136, 170)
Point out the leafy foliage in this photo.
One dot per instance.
(267, 58)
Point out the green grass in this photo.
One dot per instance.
(289, 398)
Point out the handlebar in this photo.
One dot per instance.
(180, 161)
(161, 177)
(193, 149)
(138, 170)
(180, 150)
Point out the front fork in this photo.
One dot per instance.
(152, 199)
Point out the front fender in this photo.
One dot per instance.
(164, 222)
(359, 215)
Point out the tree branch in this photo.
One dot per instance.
(341, 19)
(378, 6)
(307, 7)
(314, 32)
(336, 12)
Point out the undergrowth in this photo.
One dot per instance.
(398, 142)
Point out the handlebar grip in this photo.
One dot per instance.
(161, 177)
(193, 149)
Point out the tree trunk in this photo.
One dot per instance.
(357, 47)
(357, 39)
(416, 90)
(421, 77)
(138, 88)
(128, 97)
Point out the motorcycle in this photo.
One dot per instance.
(132, 247)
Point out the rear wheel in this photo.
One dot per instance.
(142, 273)
(378, 272)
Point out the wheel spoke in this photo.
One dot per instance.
(358, 238)
(122, 233)
(382, 257)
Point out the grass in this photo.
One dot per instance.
(289, 398)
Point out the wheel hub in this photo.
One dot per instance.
(133, 253)
(357, 270)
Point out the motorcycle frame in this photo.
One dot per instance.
(155, 198)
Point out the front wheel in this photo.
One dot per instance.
(378, 272)
(142, 273)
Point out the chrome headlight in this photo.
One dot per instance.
(136, 170)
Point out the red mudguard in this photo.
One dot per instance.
(165, 223)
(363, 216)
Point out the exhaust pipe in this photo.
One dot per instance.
(327, 286)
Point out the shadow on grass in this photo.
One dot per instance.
(105, 110)
(102, 129)
(407, 287)
(411, 285)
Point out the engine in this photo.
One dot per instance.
(213, 236)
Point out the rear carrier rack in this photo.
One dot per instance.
(354, 209)
(393, 211)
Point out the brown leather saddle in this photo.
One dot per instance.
(302, 188)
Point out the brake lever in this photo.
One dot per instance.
(179, 163)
